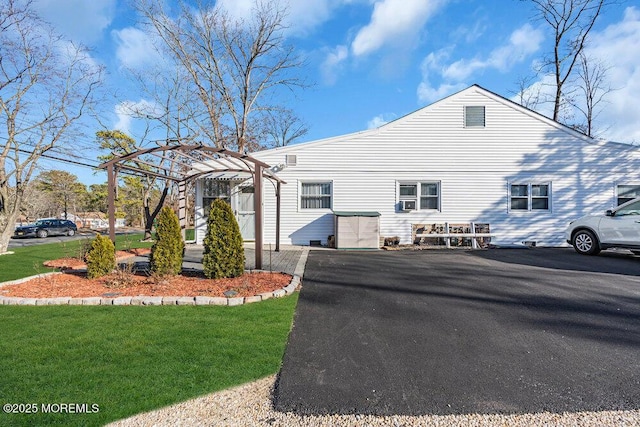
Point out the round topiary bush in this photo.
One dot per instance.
(166, 252)
(223, 249)
(101, 258)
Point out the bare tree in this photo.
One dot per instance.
(593, 88)
(571, 22)
(528, 92)
(46, 85)
(283, 127)
(118, 143)
(233, 64)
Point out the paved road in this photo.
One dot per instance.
(32, 241)
(452, 332)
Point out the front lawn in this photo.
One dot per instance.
(27, 261)
(128, 360)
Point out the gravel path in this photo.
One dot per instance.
(250, 405)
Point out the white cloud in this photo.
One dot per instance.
(616, 46)
(434, 63)
(79, 20)
(127, 110)
(135, 48)
(332, 64)
(523, 42)
(124, 119)
(394, 21)
(428, 93)
(302, 16)
(380, 120)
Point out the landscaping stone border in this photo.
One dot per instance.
(148, 300)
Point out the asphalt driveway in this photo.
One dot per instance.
(453, 332)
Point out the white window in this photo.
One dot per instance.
(425, 194)
(474, 116)
(213, 189)
(627, 192)
(530, 197)
(315, 195)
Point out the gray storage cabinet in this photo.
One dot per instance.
(357, 230)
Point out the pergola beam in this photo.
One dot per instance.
(227, 161)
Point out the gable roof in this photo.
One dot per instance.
(475, 87)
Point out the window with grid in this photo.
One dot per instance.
(213, 189)
(627, 192)
(429, 194)
(529, 197)
(315, 195)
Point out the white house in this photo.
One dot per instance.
(473, 157)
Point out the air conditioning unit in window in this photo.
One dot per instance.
(407, 205)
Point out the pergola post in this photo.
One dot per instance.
(111, 190)
(210, 160)
(257, 206)
(182, 208)
(278, 186)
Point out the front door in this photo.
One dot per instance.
(245, 213)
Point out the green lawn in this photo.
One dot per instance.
(129, 360)
(27, 261)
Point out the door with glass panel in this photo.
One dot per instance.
(245, 213)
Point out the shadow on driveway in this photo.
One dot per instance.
(450, 332)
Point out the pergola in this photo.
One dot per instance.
(181, 163)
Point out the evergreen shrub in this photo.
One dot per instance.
(101, 258)
(166, 253)
(223, 246)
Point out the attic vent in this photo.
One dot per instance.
(291, 160)
(474, 116)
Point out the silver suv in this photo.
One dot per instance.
(617, 228)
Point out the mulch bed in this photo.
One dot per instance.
(75, 284)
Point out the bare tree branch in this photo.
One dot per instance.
(233, 65)
(46, 84)
(571, 21)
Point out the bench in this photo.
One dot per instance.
(478, 233)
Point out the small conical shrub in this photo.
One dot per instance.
(223, 249)
(101, 258)
(166, 253)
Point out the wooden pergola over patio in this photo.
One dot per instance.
(181, 163)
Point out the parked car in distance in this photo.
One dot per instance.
(47, 227)
(617, 228)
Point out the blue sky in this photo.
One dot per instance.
(372, 61)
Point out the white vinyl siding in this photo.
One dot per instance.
(315, 195)
(530, 197)
(473, 170)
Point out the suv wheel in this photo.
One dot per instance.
(585, 243)
(71, 232)
(42, 233)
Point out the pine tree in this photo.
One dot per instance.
(101, 258)
(167, 251)
(223, 246)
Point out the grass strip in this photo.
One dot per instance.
(132, 359)
(27, 261)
